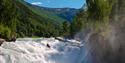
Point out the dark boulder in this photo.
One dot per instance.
(48, 45)
(1, 41)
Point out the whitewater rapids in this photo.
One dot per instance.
(35, 50)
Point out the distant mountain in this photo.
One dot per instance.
(65, 13)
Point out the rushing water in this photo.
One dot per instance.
(30, 50)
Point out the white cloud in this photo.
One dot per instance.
(37, 3)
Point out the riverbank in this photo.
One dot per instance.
(6, 40)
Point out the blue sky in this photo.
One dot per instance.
(58, 3)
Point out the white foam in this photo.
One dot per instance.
(29, 50)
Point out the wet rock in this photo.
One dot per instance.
(1, 41)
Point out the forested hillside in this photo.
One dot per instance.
(98, 14)
(45, 14)
(20, 19)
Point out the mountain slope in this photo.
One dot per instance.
(57, 14)
(65, 13)
(19, 18)
(43, 13)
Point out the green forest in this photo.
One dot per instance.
(20, 19)
(97, 15)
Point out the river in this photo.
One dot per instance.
(35, 50)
